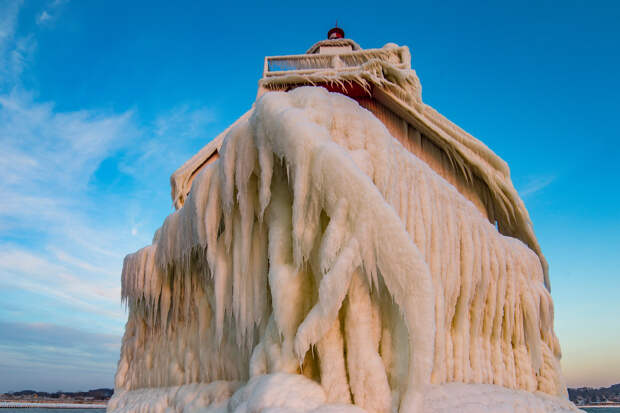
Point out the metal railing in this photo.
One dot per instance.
(309, 63)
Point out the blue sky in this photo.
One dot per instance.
(101, 101)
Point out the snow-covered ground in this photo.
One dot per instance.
(288, 393)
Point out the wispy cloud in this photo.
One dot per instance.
(535, 185)
(24, 270)
(48, 160)
(46, 334)
(61, 148)
(63, 237)
(51, 12)
(8, 22)
(169, 140)
(27, 349)
(63, 230)
(14, 50)
(43, 17)
(184, 119)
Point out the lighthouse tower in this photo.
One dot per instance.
(344, 247)
(383, 82)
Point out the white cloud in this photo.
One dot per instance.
(52, 150)
(169, 141)
(183, 119)
(75, 356)
(63, 237)
(50, 14)
(48, 160)
(8, 20)
(57, 3)
(43, 17)
(75, 262)
(22, 269)
(534, 185)
(14, 51)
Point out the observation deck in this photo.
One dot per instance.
(330, 55)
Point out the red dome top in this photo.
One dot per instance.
(335, 33)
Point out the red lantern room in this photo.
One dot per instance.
(335, 33)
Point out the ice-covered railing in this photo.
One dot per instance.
(309, 63)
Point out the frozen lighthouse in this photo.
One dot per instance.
(341, 247)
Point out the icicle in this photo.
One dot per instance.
(369, 384)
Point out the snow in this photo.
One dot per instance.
(292, 393)
(318, 263)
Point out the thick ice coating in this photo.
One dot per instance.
(317, 255)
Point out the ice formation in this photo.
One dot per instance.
(317, 264)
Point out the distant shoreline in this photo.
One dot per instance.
(5, 404)
(606, 405)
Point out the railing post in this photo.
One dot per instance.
(336, 62)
